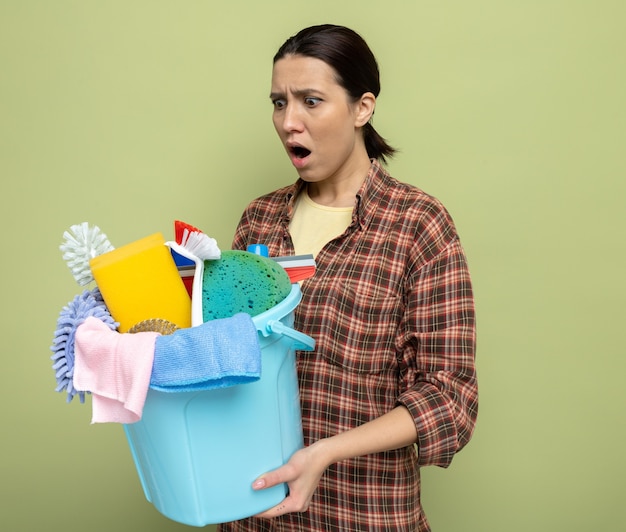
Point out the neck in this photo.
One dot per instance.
(340, 191)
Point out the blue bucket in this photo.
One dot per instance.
(197, 453)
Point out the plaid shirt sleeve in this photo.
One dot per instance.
(437, 344)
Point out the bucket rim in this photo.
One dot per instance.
(280, 310)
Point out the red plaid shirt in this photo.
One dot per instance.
(391, 310)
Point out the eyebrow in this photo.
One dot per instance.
(298, 92)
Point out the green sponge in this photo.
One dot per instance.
(241, 281)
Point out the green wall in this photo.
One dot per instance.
(130, 114)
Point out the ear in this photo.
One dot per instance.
(364, 109)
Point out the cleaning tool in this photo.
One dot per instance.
(186, 267)
(189, 397)
(241, 281)
(83, 243)
(140, 281)
(89, 303)
(298, 267)
(179, 230)
(216, 354)
(197, 452)
(198, 248)
(154, 325)
(115, 368)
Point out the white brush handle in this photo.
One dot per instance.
(196, 288)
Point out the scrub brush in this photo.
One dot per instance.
(198, 247)
(179, 229)
(83, 243)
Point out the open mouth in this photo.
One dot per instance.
(299, 152)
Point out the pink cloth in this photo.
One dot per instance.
(115, 368)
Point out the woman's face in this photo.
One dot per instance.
(318, 124)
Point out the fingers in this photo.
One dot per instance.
(302, 474)
(288, 505)
(278, 476)
(280, 509)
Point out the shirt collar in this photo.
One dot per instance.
(367, 198)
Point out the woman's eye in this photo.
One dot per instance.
(311, 101)
(279, 103)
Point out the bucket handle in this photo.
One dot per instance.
(302, 341)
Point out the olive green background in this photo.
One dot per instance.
(130, 114)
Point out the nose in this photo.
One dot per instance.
(291, 119)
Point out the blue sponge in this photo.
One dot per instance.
(241, 281)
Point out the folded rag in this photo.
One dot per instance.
(119, 368)
(219, 353)
(115, 368)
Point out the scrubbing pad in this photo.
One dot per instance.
(140, 281)
(241, 281)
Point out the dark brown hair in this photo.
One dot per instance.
(354, 64)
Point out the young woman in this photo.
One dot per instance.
(391, 385)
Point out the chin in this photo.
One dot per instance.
(309, 178)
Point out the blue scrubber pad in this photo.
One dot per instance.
(241, 281)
